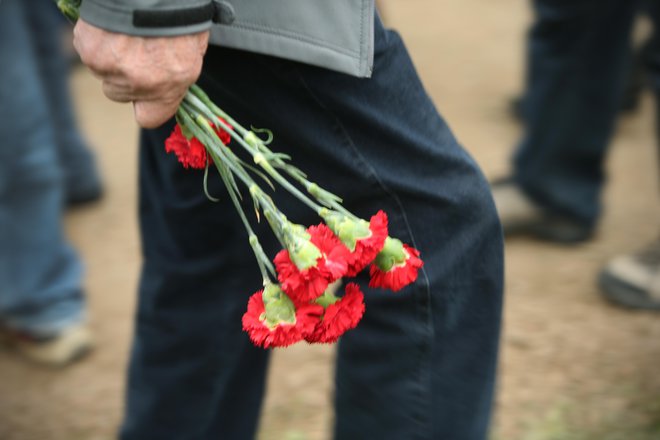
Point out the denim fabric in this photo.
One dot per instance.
(652, 59)
(421, 364)
(40, 275)
(46, 23)
(578, 58)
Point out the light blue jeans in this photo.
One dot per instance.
(46, 23)
(40, 274)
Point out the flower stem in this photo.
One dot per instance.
(263, 156)
(222, 161)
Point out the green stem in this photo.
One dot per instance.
(221, 160)
(259, 156)
(201, 101)
(210, 139)
(265, 266)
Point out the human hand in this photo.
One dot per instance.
(152, 72)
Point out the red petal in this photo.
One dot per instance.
(190, 153)
(366, 249)
(224, 136)
(282, 335)
(399, 276)
(301, 286)
(339, 317)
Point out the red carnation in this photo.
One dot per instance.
(281, 334)
(190, 152)
(367, 248)
(301, 285)
(339, 317)
(219, 129)
(334, 252)
(397, 275)
(306, 285)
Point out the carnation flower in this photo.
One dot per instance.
(340, 315)
(319, 258)
(363, 239)
(335, 254)
(189, 150)
(272, 320)
(395, 266)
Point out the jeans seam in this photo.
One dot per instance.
(423, 383)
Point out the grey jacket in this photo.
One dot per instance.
(335, 34)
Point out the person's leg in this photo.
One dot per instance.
(578, 57)
(422, 362)
(82, 182)
(652, 58)
(40, 275)
(193, 373)
(633, 280)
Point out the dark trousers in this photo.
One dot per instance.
(421, 364)
(579, 55)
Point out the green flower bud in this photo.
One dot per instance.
(392, 254)
(348, 230)
(279, 308)
(303, 252)
(327, 299)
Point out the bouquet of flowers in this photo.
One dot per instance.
(298, 299)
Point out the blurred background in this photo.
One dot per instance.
(573, 367)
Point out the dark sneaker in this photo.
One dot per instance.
(521, 216)
(633, 280)
(83, 191)
(57, 351)
(82, 178)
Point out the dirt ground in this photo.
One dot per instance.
(572, 366)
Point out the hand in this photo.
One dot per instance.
(152, 72)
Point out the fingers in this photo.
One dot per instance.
(89, 42)
(119, 92)
(152, 114)
(153, 73)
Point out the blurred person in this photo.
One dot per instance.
(636, 81)
(579, 55)
(42, 305)
(82, 182)
(352, 112)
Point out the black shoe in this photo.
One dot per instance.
(79, 196)
(82, 188)
(519, 215)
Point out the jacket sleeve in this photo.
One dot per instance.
(149, 17)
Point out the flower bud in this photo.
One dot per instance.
(347, 229)
(392, 254)
(303, 253)
(279, 308)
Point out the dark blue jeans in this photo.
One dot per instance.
(578, 58)
(421, 364)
